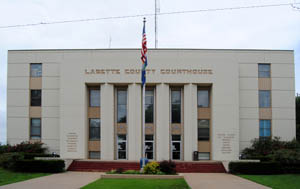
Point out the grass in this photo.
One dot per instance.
(286, 181)
(138, 183)
(8, 177)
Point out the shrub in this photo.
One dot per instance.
(3, 149)
(119, 170)
(26, 147)
(298, 131)
(291, 168)
(8, 160)
(151, 168)
(263, 168)
(167, 167)
(266, 149)
(259, 168)
(113, 171)
(33, 155)
(131, 172)
(285, 156)
(292, 145)
(42, 166)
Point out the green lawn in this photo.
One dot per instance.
(8, 177)
(288, 181)
(138, 183)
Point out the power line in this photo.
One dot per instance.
(295, 8)
(150, 14)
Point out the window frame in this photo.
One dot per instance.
(180, 143)
(126, 146)
(31, 70)
(208, 127)
(31, 97)
(207, 153)
(153, 105)
(94, 139)
(264, 128)
(153, 146)
(263, 104)
(208, 97)
(117, 106)
(90, 99)
(180, 105)
(31, 136)
(95, 152)
(260, 71)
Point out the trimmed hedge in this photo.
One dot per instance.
(263, 168)
(168, 167)
(292, 168)
(33, 155)
(42, 166)
(8, 160)
(257, 168)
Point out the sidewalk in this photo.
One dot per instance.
(219, 180)
(67, 180)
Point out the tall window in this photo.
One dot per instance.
(203, 130)
(122, 146)
(35, 70)
(203, 98)
(94, 97)
(264, 98)
(94, 129)
(149, 146)
(121, 106)
(35, 128)
(264, 128)
(35, 97)
(176, 106)
(264, 70)
(149, 105)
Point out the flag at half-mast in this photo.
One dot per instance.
(144, 54)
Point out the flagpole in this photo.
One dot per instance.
(143, 117)
(143, 125)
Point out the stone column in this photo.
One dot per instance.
(190, 121)
(107, 122)
(163, 122)
(134, 139)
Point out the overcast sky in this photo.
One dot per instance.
(258, 28)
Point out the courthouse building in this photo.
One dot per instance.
(87, 103)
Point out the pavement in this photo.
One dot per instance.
(219, 180)
(67, 180)
(75, 180)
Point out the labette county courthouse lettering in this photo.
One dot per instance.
(151, 71)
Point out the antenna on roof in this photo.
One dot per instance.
(157, 10)
(109, 42)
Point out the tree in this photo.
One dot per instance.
(298, 118)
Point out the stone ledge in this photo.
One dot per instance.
(127, 176)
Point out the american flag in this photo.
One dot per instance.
(144, 54)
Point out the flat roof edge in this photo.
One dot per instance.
(184, 49)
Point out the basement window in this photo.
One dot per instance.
(94, 155)
(203, 155)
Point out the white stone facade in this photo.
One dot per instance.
(233, 79)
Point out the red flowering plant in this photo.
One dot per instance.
(26, 147)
